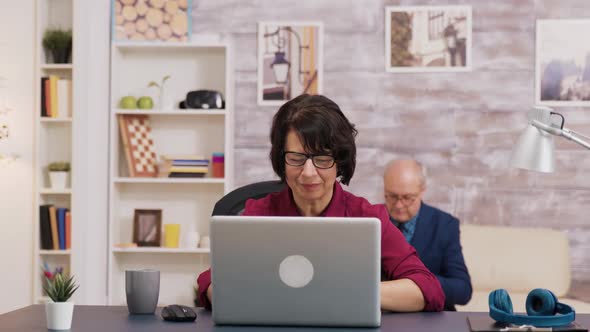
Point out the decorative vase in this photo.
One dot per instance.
(166, 102)
(59, 315)
(58, 180)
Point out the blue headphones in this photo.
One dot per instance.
(542, 308)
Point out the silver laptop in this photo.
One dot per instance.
(296, 271)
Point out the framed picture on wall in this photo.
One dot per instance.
(161, 20)
(290, 60)
(147, 227)
(427, 38)
(562, 75)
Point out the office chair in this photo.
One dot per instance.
(233, 203)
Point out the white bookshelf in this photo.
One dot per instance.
(56, 66)
(144, 250)
(171, 180)
(53, 141)
(172, 112)
(51, 191)
(185, 201)
(56, 120)
(54, 252)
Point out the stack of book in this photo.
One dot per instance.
(183, 166)
(56, 224)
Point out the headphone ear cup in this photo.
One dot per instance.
(541, 302)
(502, 301)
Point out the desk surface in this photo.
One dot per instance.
(117, 318)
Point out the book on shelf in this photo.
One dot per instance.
(64, 98)
(44, 108)
(61, 224)
(45, 228)
(186, 175)
(54, 229)
(46, 89)
(68, 229)
(53, 93)
(185, 157)
(185, 166)
(56, 97)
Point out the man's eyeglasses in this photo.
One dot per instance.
(299, 159)
(406, 200)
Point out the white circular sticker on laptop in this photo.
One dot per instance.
(296, 271)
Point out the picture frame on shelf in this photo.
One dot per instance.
(147, 227)
(290, 61)
(562, 63)
(427, 39)
(151, 21)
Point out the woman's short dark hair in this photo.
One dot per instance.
(322, 128)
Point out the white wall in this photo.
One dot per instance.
(16, 179)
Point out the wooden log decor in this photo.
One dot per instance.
(163, 20)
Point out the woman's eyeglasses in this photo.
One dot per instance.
(299, 159)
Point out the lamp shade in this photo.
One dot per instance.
(534, 151)
(280, 67)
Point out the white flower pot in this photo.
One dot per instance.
(59, 315)
(58, 180)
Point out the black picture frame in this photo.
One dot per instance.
(147, 227)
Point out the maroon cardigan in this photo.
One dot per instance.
(398, 258)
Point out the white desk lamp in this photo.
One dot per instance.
(534, 150)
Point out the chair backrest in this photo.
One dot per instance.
(233, 203)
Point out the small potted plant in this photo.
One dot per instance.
(58, 43)
(58, 174)
(59, 312)
(163, 97)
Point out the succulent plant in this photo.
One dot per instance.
(60, 288)
(59, 166)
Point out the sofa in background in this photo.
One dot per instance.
(518, 260)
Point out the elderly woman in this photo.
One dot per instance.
(313, 146)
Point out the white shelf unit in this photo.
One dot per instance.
(54, 252)
(171, 180)
(185, 201)
(146, 250)
(57, 120)
(53, 141)
(51, 191)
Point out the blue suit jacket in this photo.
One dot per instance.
(436, 239)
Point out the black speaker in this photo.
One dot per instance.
(206, 99)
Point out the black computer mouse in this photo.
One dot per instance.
(178, 313)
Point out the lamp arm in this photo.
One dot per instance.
(569, 134)
(573, 136)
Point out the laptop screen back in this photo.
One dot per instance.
(296, 271)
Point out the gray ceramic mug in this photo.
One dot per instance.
(143, 289)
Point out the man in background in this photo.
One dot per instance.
(434, 233)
